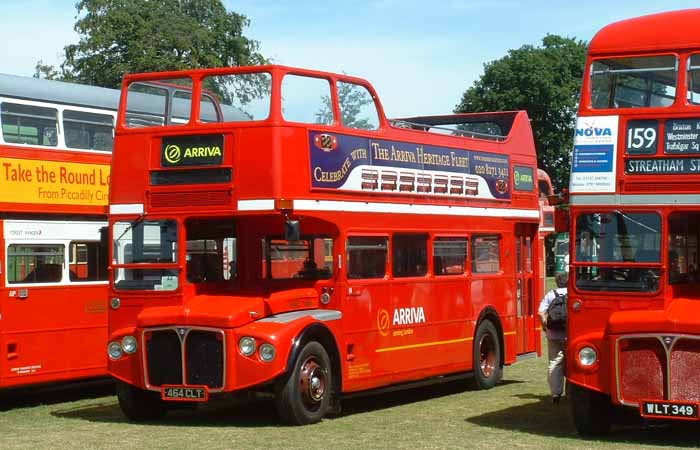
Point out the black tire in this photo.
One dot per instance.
(303, 395)
(139, 405)
(488, 368)
(590, 410)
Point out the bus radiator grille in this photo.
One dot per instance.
(642, 369)
(204, 354)
(199, 198)
(685, 367)
(163, 357)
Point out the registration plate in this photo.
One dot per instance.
(670, 410)
(185, 393)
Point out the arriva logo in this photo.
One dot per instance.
(409, 316)
(202, 152)
(173, 154)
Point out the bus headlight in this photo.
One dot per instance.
(267, 352)
(246, 346)
(114, 350)
(587, 356)
(129, 344)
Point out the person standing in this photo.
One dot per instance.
(552, 308)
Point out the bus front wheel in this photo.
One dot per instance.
(591, 410)
(139, 405)
(487, 356)
(303, 396)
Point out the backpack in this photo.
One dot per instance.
(556, 313)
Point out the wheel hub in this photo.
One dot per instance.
(313, 381)
(487, 355)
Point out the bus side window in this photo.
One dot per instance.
(87, 262)
(27, 124)
(450, 255)
(367, 257)
(410, 255)
(88, 131)
(31, 263)
(486, 251)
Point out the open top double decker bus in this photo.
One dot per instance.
(634, 293)
(283, 236)
(55, 150)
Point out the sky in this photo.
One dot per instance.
(419, 55)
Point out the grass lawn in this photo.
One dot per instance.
(515, 414)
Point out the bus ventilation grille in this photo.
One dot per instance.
(645, 375)
(203, 358)
(198, 198)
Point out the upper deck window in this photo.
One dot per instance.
(88, 131)
(694, 79)
(159, 102)
(639, 82)
(306, 99)
(27, 124)
(240, 97)
(357, 108)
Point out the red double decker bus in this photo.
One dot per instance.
(55, 150)
(635, 224)
(273, 231)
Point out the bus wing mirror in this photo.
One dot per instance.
(292, 230)
(561, 220)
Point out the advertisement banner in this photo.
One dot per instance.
(595, 154)
(352, 163)
(54, 183)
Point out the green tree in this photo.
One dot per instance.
(545, 81)
(120, 36)
(45, 71)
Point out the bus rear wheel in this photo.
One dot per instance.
(139, 405)
(591, 410)
(303, 396)
(487, 356)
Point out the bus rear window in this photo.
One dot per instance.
(242, 97)
(639, 82)
(159, 102)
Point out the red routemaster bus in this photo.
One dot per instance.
(55, 150)
(284, 236)
(634, 293)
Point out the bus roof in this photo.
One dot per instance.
(663, 31)
(29, 88)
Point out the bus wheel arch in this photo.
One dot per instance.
(488, 350)
(310, 385)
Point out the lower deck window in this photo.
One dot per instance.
(367, 257)
(410, 255)
(486, 254)
(30, 263)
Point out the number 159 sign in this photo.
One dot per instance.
(642, 137)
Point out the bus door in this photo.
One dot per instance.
(524, 288)
(367, 313)
(54, 301)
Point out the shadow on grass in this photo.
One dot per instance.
(543, 418)
(27, 397)
(259, 411)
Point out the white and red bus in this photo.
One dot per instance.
(55, 150)
(279, 233)
(634, 293)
